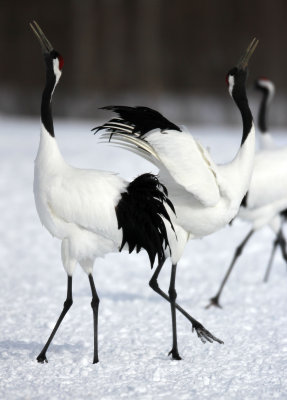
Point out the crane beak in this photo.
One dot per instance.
(44, 42)
(243, 62)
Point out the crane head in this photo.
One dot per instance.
(265, 85)
(52, 57)
(236, 77)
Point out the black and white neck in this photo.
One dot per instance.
(239, 170)
(54, 63)
(49, 155)
(267, 89)
(236, 79)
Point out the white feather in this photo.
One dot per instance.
(77, 205)
(206, 196)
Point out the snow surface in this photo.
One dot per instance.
(134, 322)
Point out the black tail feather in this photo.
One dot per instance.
(139, 213)
(135, 121)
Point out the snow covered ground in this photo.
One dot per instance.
(134, 322)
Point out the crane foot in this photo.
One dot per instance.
(213, 302)
(42, 358)
(204, 335)
(174, 355)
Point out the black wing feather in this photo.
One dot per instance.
(139, 214)
(135, 121)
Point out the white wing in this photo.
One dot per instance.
(87, 198)
(187, 162)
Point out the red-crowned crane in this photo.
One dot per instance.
(267, 87)
(206, 196)
(92, 212)
(266, 199)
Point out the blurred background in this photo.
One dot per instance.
(171, 55)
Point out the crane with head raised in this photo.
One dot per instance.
(92, 212)
(206, 196)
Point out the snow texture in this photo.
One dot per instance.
(134, 322)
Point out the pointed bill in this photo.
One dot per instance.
(243, 62)
(44, 42)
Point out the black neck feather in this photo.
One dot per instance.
(46, 107)
(263, 112)
(240, 98)
(246, 119)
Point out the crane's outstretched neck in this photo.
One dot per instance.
(54, 63)
(240, 169)
(268, 89)
(236, 81)
(262, 120)
(48, 149)
(247, 119)
(46, 106)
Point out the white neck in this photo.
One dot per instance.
(48, 154)
(237, 174)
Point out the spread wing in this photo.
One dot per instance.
(148, 133)
(179, 154)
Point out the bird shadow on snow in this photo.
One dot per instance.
(11, 348)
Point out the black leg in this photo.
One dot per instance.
(282, 243)
(67, 304)
(268, 270)
(203, 334)
(172, 297)
(214, 301)
(95, 306)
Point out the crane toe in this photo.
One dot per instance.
(204, 335)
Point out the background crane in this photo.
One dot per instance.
(266, 198)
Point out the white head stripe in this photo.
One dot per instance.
(231, 84)
(56, 69)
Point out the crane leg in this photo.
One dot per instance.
(214, 301)
(67, 304)
(95, 307)
(268, 270)
(203, 334)
(172, 298)
(282, 243)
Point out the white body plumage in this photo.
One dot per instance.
(267, 194)
(76, 206)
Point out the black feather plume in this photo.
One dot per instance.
(139, 214)
(135, 121)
